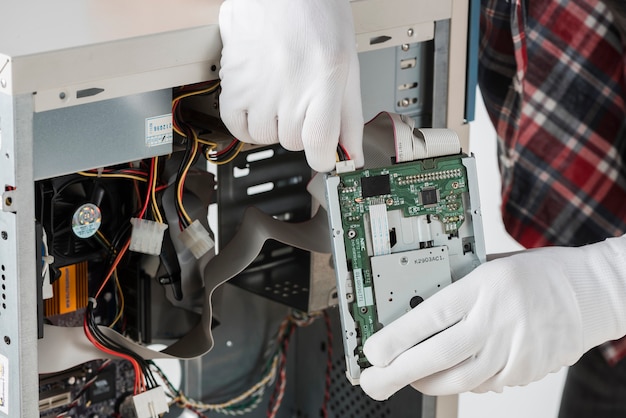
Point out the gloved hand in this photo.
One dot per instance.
(509, 322)
(290, 73)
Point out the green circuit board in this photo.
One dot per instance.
(433, 187)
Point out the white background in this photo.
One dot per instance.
(540, 399)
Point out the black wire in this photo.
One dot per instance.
(187, 156)
(112, 345)
(341, 154)
(233, 150)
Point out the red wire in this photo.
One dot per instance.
(113, 267)
(281, 380)
(147, 202)
(344, 151)
(139, 385)
(230, 146)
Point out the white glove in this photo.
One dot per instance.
(509, 322)
(290, 73)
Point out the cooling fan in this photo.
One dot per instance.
(77, 211)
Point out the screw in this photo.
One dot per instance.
(7, 340)
(410, 32)
(62, 95)
(351, 234)
(5, 236)
(405, 102)
(404, 261)
(405, 47)
(3, 83)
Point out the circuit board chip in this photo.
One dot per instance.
(429, 197)
(376, 185)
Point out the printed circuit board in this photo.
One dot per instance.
(400, 233)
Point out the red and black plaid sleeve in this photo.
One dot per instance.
(552, 76)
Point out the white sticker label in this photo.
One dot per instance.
(364, 295)
(4, 385)
(159, 130)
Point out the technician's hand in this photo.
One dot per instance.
(290, 74)
(509, 322)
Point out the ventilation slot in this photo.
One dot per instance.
(3, 286)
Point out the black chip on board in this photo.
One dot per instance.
(429, 197)
(375, 186)
(103, 389)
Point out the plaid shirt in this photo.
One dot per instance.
(553, 79)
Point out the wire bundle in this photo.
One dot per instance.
(194, 145)
(342, 153)
(284, 336)
(144, 379)
(274, 373)
(117, 249)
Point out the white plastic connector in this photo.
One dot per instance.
(151, 404)
(147, 236)
(344, 166)
(197, 239)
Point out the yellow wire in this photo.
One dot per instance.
(155, 206)
(204, 141)
(103, 238)
(184, 174)
(196, 141)
(232, 157)
(119, 289)
(121, 176)
(179, 132)
(209, 89)
(254, 389)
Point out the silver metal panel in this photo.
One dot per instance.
(66, 24)
(386, 86)
(343, 277)
(377, 15)
(97, 134)
(18, 296)
(81, 45)
(399, 277)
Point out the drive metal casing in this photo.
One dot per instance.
(400, 234)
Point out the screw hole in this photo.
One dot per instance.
(7, 340)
